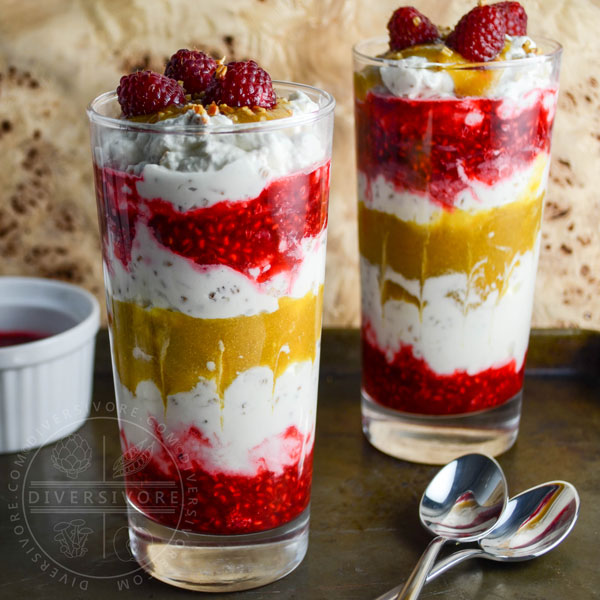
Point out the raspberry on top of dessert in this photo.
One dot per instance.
(479, 36)
(192, 80)
(445, 56)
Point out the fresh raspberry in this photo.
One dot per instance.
(145, 92)
(243, 84)
(408, 27)
(192, 67)
(515, 17)
(479, 35)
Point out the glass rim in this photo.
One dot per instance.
(275, 124)
(554, 46)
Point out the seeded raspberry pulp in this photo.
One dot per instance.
(195, 69)
(515, 17)
(479, 35)
(408, 27)
(145, 92)
(243, 84)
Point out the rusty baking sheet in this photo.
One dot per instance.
(365, 536)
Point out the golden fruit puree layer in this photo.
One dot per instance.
(175, 350)
(484, 245)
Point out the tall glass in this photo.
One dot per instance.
(213, 243)
(452, 170)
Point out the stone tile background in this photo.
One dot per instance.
(56, 55)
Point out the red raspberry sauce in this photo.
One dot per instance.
(246, 235)
(410, 385)
(215, 503)
(13, 338)
(425, 146)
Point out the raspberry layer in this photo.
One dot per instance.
(252, 446)
(259, 237)
(408, 384)
(193, 499)
(435, 146)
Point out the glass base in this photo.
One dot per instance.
(436, 440)
(217, 563)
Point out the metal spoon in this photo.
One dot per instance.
(463, 502)
(533, 523)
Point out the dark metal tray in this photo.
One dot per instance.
(365, 535)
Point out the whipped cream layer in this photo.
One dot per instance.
(411, 77)
(378, 193)
(449, 331)
(241, 433)
(158, 277)
(199, 169)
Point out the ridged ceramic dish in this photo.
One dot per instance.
(45, 385)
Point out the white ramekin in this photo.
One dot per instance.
(46, 385)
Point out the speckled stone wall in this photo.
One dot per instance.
(55, 56)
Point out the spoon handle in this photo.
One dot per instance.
(452, 560)
(412, 588)
(444, 565)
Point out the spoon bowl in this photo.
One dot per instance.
(465, 499)
(463, 502)
(534, 522)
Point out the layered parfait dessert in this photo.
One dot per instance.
(212, 192)
(453, 134)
